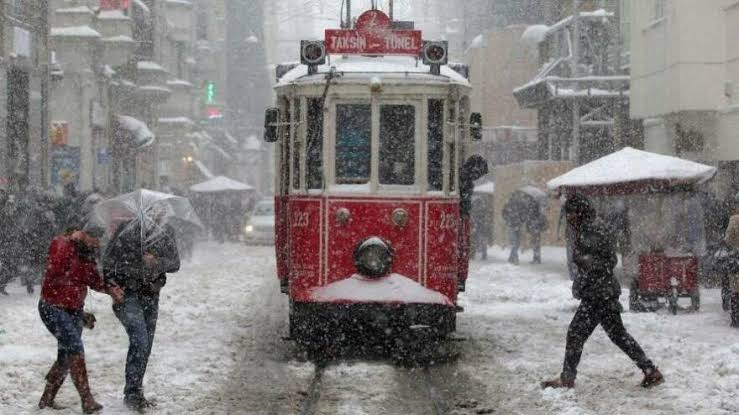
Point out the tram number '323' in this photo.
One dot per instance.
(447, 221)
(300, 220)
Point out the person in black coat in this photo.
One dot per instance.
(597, 288)
(536, 224)
(514, 214)
(138, 262)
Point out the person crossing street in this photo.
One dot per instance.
(598, 290)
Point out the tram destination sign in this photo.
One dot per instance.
(373, 35)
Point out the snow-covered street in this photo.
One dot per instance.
(219, 349)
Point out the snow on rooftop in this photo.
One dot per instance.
(477, 43)
(393, 288)
(179, 82)
(220, 184)
(404, 65)
(119, 39)
(533, 35)
(179, 3)
(74, 10)
(141, 5)
(632, 165)
(75, 31)
(155, 88)
(112, 15)
(138, 128)
(150, 66)
(176, 120)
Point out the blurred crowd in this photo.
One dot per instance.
(29, 221)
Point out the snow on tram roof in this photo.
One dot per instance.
(405, 66)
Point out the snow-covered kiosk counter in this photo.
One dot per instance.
(652, 201)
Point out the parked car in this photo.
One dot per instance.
(259, 226)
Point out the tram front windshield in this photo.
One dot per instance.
(397, 144)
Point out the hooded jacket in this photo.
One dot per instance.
(594, 254)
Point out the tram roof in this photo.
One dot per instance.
(364, 68)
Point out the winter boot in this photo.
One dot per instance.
(54, 380)
(559, 382)
(138, 403)
(652, 377)
(78, 371)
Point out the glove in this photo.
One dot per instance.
(88, 320)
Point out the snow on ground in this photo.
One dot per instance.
(203, 312)
(219, 350)
(518, 316)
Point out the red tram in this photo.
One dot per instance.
(370, 132)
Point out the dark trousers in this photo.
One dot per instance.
(138, 314)
(607, 313)
(536, 247)
(514, 238)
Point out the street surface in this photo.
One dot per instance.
(219, 349)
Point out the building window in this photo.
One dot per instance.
(688, 140)
(201, 25)
(658, 9)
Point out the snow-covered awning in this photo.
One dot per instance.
(75, 32)
(138, 129)
(220, 184)
(632, 171)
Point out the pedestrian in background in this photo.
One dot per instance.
(536, 225)
(598, 291)
(70, 270)
(514, 215)
(481, 228)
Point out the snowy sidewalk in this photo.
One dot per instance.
(195, 350)
(219, 350)
(518, 316)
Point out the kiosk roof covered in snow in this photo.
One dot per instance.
(632, 171)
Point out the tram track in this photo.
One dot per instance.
(428, 391)
(313, 395)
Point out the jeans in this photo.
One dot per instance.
(138, 313)
(66, 326)
(607, 313)
(536, 247)
(514, 237)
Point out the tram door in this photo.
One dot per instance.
(282, 189)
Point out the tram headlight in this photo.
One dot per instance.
(373, 257)
(249, 228)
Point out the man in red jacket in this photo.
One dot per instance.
(70, 270)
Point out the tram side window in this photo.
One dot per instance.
(314, 150)
(353, 138)
(297, 150)
(452, 153)
(397, 144)
(436, 144)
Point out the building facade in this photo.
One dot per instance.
(685, 68)
(499, 61)
(24, 93)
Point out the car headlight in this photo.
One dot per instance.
(249, 228)
(373, 257)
